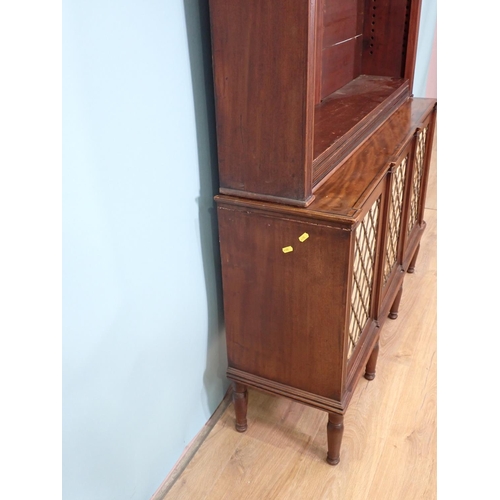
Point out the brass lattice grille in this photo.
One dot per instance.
(417, 178)
(395, 211)
(363, 270)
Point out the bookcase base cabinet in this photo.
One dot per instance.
(308, 289)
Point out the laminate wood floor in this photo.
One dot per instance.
(389, 445)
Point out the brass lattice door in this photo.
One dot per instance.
(398, 189)
(363, 274)
(418, 172)
(393, 239)
(418, 176)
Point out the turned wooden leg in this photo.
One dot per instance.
(411, 267)
(240, 401)
(372, 363)
(393, 314)
(335, 429)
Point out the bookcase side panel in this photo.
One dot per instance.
(262, 57)
(285, 299)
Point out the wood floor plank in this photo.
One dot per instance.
(407, 464)
(208, 463)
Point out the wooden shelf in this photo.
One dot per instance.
(349, 115)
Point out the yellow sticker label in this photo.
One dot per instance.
(303, 237)
(287, 249)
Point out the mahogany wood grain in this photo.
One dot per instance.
(262, 56)
(345, 190)
(276, 302)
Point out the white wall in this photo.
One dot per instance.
(143, 345)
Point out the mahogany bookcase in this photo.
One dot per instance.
(323, 164)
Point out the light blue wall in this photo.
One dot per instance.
(428, 19)
(143, 342)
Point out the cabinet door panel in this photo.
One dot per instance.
(393, 241)
(419, 176)
(365, 260)
(394, 229)
(365, 246)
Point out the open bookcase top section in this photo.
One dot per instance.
(300, 84)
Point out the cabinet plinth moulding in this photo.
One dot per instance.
(323, 166)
